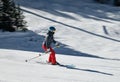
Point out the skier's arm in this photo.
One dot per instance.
(56, 43)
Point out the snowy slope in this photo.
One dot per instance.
(89, 34)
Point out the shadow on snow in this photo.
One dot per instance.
(87, 70)
(31, 41)
(77, 28)
(85, 10)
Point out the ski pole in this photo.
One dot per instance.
(32, 58)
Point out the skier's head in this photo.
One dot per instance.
(52, 29)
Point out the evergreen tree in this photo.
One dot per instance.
(19, 22)
(117, 2)
(12, 16)
(101, 1)
(1, 5)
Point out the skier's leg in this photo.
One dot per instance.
(45, 49)
(52, 55)
(50, 58)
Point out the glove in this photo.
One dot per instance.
(48, 50)
(57, 45)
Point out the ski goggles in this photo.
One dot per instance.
(53, 31)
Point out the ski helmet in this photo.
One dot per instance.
(52, 29)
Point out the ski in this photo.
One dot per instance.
(69, 66)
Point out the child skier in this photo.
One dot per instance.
(47, 45)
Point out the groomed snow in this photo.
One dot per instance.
(89, 34)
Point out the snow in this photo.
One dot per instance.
(89, 34)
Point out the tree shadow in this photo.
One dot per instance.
(26, 41)
(77, 28)
(31, 41)
(64, 50)
(46, 6)
(86, 10)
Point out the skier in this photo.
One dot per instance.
(49, 39)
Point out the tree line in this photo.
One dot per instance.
(114, 2)
(11, 16)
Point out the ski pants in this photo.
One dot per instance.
(52, 58)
